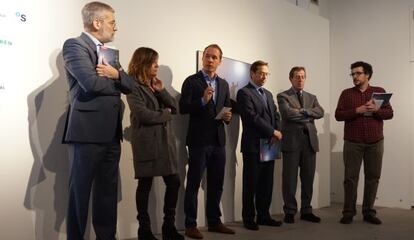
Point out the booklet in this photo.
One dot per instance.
(221, 113)
(269, 149)
(111, 56)
(380, 99)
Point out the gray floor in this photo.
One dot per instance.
(397, 224)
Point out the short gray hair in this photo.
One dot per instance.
(93, 10)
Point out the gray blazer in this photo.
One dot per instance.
(294, 123)
(153, 142)
(95, 110)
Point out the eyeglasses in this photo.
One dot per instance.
(265, 74)
(356, 74)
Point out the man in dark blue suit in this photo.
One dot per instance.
(260, 119)
(94, 124)
(203, 95)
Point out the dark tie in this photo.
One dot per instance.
(263, 95)
(300, 98)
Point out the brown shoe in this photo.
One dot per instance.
(193, 232)
(220, 228)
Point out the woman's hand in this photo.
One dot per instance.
(157, 84)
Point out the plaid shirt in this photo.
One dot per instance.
(360, 128)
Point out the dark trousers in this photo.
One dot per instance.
(214, 159)
(354, 154)
(172, 183)
(94, 165)
(305, 160)
(257, 187)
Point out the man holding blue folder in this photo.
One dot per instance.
(260, 120)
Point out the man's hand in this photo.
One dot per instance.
(371, 106)
(227, 116)
(277, 134)
(106, 70)
(304, 112)
(157, 84)
(367, 107)
(208, 94)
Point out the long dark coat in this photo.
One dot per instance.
(153, 142)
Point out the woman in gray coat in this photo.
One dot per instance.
(153, 143)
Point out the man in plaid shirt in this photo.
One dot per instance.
(363, 141)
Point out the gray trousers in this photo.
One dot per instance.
(371, 155)
(304, 160)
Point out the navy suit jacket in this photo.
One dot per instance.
(202, 120)
(95, 110)
(259, 120)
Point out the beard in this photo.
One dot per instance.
(357, 82)
(106, 36)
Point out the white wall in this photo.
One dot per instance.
(243, 34)
(376, 31)
(35, 166)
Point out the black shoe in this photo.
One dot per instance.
(310, 217)
(346, 219)
(251, 225)
(145, 234)
(269, 222)
(169, 232)
(289, 218)
(372, 219)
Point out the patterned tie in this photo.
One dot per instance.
(210, 84)
(98, 47)
(100, 57)
(300, 98)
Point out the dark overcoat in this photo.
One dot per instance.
(152, 139)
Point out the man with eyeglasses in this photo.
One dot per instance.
(260, 120)
(299, 110)
(94, 124)
(363, 141)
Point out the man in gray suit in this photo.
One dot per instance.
(299, 109)
(93, 126)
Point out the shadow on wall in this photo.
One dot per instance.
(337, 172)
(327, 138)
(179, 126)
(229, 185)
(46, 192)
